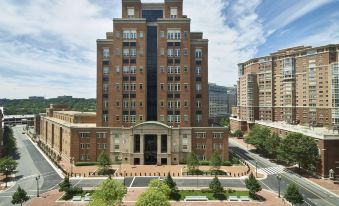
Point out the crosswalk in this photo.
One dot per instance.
(272, 170)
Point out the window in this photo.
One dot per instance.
(130, 34)
(133, 52)
(140, 86)
(84, 135)
(170, 52)
(198, 104)
(162, 86)
(186, 34)
(177, 87)
(177, 52)
(174, 13)
(132, 118)
(126, 52)
(125, 118)
(105, 104)
(198, 87)
(173, 35)
(105, 88)
(133, 86)
(162, 34)
(162, 69)
(177, 118)
(177, 69)
(198, 53)
(162, 51)
(141, 34)
(170, 70)
(117, 69)
(105, 70)
(162, 118)
(125, 69)
(105, 53)
(125, 104)
(185, 69)
(200, 135)
(217, 135)
(185, 51)
(133, 69)
(117, 34)
(104, 117)
(198, 70)
(170, 86)
(177, 104)
(130, 13)
(141, 68)
(141, 118)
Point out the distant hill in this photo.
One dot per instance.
(35, 106)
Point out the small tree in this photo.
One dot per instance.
(65, 185)
(104, 162)
(293, 195)
(252, 185)
(20, 196)
(215, 186)
(192, 161)
(109, 192)
(9, 141)
(238, 133)
(215, 161)
(7, 166)
(157, 194)
(170, 182)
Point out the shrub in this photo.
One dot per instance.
(204, 162)
(227, 163)
(85, 163)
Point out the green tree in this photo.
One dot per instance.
(215, 186)
(157, 194)
(224, 122)
(9, 141)
(7, 166)
(110, 192)
(170, 182)
(252, 185)
(293, 195)
(272, 145)
(104, 163)
(65, 185)
(238, 133)
(300, 149)
(20, 196)
(192, 161)
(215, 161)
(258, 136)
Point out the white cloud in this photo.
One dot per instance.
(55, 41)
(291, 14)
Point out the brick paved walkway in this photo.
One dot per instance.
(50, 198)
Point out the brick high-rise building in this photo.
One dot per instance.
(152, 94)
(152, 68)
(152, 71)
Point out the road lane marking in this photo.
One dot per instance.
(132, 183)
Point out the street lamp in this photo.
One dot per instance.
(279, 180)
(6, 172)
(124, 176)
(120, 160)
(37, 185)
(72, 160)
(256, 168)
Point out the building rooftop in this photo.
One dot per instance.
(315, 132)
(76, 113)
(73, 125)
(19, 116)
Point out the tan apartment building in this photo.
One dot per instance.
(1, 130)
(297, 85)
(152, 93)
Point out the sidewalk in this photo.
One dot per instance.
(325, 183)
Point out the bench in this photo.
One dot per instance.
(195, 198)
(233, 198)
(76, 198)
(244, 198)
(87, 198)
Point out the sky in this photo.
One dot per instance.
(48, 48)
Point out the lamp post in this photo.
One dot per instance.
(72, 160)
(120, 160)
(6, 171)
(256, 168)
(279, 180)
(37, 185)
(124, 176)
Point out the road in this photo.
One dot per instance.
(313, 195)
(30, 164)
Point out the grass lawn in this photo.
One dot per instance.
(209, 195)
